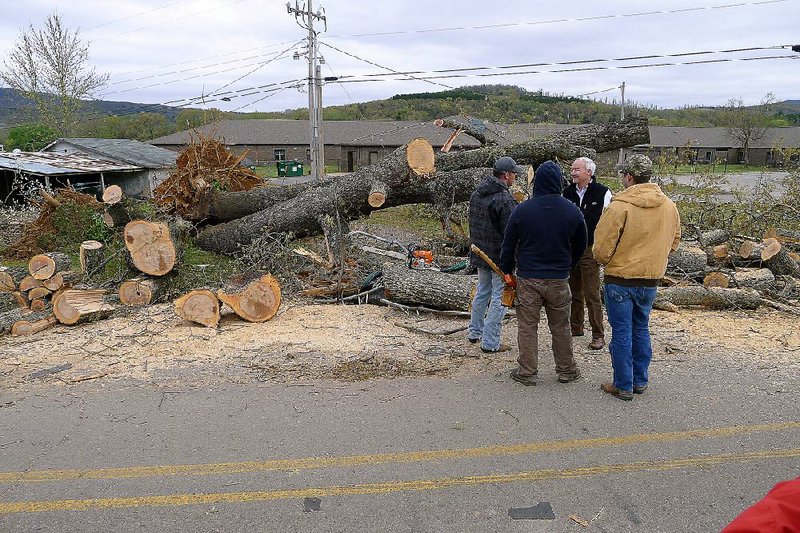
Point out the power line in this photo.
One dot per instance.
(134, 15)
(558, 21)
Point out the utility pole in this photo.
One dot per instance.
(305, 17)
(621, 157)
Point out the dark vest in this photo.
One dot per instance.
(592, 205)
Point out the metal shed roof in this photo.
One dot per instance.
(124, 150)
(52, 164)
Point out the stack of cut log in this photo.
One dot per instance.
(27, 297)
(735, 272)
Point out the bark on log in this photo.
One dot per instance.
(138, 292)
(12, 300)
(466, 127)
(258, 302)
(73, 306)
(718, 255)
(151, 248)
(225, 206)
(43, 266)
(428, 287)
(710, 297)
(687, 260)
(714, 237)
(31, 325)
(777, 259)
(201, 306)
(761, 279)
(91, 255)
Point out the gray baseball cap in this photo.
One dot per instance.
(506, 164)
(636, 165)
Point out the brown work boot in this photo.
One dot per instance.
(569, 378)
(525, 380)
(613, 391)
(577, 334)
(501, 348)
(597, 343)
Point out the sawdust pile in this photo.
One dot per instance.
(203, 166)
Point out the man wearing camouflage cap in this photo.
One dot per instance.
(633, 239)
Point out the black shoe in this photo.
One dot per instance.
(569, 379)
(577, 334)
(473, 341)
(639, 390)
(528, 381)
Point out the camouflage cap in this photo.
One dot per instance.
(636, 165)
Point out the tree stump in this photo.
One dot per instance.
(73, 306)
(258, 302)
(760, 279)
(43, 266)
(201, 306)
(710, 297)
(112, 195)
(427, 287)
(151, 248)
(91, 255)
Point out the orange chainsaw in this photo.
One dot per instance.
(509, 291)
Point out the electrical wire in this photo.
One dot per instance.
(134, 15)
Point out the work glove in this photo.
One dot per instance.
(510, 280)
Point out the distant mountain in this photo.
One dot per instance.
(15, 108)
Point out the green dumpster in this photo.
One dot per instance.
(289, 168)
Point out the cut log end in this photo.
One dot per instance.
(201, 306)
(72, 306)
(420, 157)
(716, 279)
(112, 195)
(259, 302)
(136, 292)
(150, 245)
(43, 266)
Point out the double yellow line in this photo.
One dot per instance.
(399, 486)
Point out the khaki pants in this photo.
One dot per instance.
(584, 282)
(554, 296)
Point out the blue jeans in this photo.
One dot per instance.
(487, 312)
(628, 310)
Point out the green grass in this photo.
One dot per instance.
(416, 218)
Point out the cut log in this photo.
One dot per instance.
(38, 292)
(11, 276)
(28, 283)
(43, 266)
(710, 297)
(12, 300)
(687, 260)
(258, 302)
(31, 326)
(7, 283)
(55, 282)
(420, 157)
(138, 292)
(428, 287)
(377, 195)
(74, 306)
(714, 237)
(785, 236)
(116, 216)
(11, 317)
(778, 260)
(201, 306)
(716, 279)
(39, 304)
(112, 195)
(151, 248)
(91, 255)
(760, 279)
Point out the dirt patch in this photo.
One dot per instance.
(352, 343)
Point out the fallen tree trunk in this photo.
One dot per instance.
(459, 174)
(710, 297)
(688, 261)
(760, 279)
(428, 287)
(778, 260)
(257, 302)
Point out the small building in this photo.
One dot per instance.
(146, 165)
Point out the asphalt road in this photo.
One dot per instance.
(424, 454)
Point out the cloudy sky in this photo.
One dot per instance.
(197, 51)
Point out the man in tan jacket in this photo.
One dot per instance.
(633, 239)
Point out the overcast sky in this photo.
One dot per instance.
(176, 50)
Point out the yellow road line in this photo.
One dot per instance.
(382, 488)
(406, 457)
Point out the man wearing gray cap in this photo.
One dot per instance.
(489, 208)
(633, 240)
